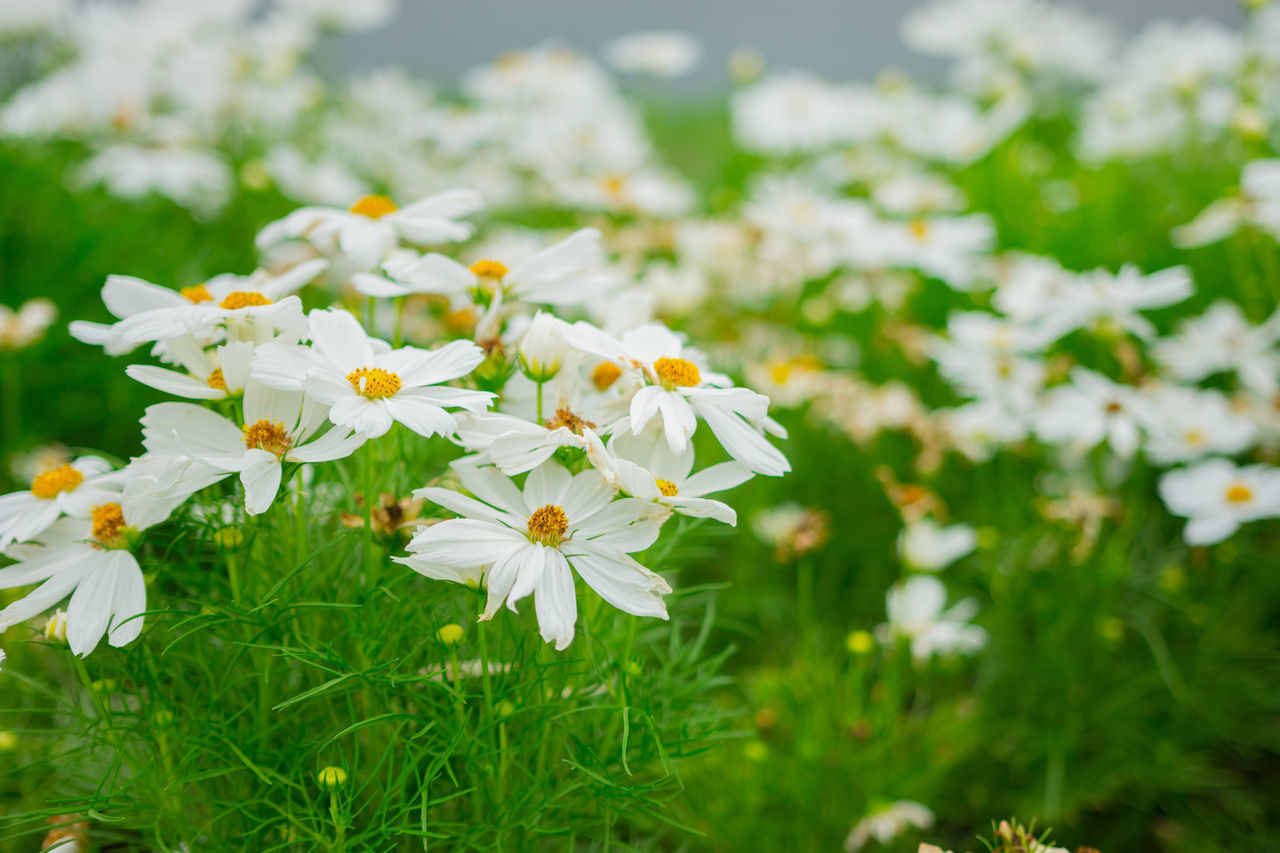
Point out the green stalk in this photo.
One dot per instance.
(11, 401)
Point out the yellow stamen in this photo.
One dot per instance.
(1194, 437)
(217, 380)
(677, 371)
(605, 374)
(374, 206)
(268, 435)
(668, 488)
(919, 229)
(374, 382)
(108, 525)
(613, 183)
(1239, 493)
(50, 484)
(547, 525)
(238, 299)
(564, 417)
(489, 269)
(196, 293)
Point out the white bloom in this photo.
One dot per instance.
(367, 386)
(27, 325)
(211, 374)
(662, 54)
(1107, 302)
(887, 823)
(542, 347)
(1185, 424)
(927, 545)
(280, 426)
(1222, 340)
(529, 542)
(1217, 497)
(1089, 410)
(794, 111)
(90, 560)
(195, 178)
(915, 613)
(73, 489)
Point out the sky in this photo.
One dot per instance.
(839, 39)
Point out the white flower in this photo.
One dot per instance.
(1089, 410)
(73, 488)
(280, 426)
(89, 559)
(530, 541)
(1107, 302)
(542, 347)
(1185, 424)
(195, 178)
(680, 394)
(1217, 497)
(211, 374)
(1222, 340)
(27, 325)
(887, 823)
(362, 236)
(660, 53)
(367, 386)
(927, 545)
(915, 613)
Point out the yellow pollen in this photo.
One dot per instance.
(605, 374)
(1194, 437)
(237, 299)
(668, 488)
(489, 269)
(919, 229)
(50, 484)
(564, 417)
(1114, 407)
(196, 293)
(108, 524)
(677, 371)
(374, 382)
(547, 525)
(268, 435)
(1239, 493)
(374, 206)
(217, 380)
(614, 184)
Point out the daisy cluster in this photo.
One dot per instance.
(578, 442)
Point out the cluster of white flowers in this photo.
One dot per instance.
(572, 464)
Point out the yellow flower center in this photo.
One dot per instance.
(1239, 493)
(217, 380)
(374, 206)
(108, 525)
(268, 435)
(50, 484)
(547, 525)
(238, 299)
(614, 184)
(1194, 437)
(677, 371)
(489, 269)
(919, 229)
(565, 417)
(374, 382)
(668, 488)
(605, 374)
(196, 293)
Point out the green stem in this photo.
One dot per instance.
(397, 333)
(11, 401)
(540, 384)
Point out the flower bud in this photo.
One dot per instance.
(55, 630)
(229, 538)
(859, 642)
(8, 741)
(331, 778)
(542, 348)
(451, 634)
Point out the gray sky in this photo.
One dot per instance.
(840, 39)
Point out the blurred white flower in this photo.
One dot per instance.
(929, 546)
(22, 328)
(887, 822)
(660, 53)
(915, 614)
(1217, 497)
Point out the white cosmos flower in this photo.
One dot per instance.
(1217, 497)
(27, 325)
(680, 393)
(645, 467)
(1184, 424)
(89, 559)
(214, 374)
(888, 822)
(1110, 302)
(73, 489)
(929, 546)
(1089, 410)
(367, 386)
(529, 541)
(1221, 340)
(516, 445)
(279, 427)
(562, 274)
(361, 237)
(915, 611)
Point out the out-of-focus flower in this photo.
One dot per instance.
(660, 53)
(927, 545)
(22, 328)
(916, 615)
(792, 530)
(886, 822)
(1217, 497)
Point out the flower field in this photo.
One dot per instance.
(547, 460)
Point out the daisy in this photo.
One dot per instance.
(91, 560)
(887, 822)
(22, 328)
(369, 387)
(279, 427)
(915, 611)
(1217, 497)
(929, 546)
(561, 274)
(1185, 424)
(215, 374)
(678, 391)
(1089, 410)
(521, 542)
(71, 488)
